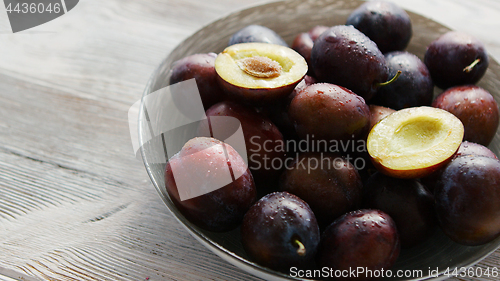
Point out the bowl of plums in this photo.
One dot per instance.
(330, 140)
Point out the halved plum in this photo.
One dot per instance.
(259, 73)
(414, 142)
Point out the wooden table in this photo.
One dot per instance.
(74, 202)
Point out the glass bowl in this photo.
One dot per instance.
(288, 18)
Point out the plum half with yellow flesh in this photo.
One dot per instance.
(414, 142)
(259, 73)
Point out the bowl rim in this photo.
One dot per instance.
(196, 233)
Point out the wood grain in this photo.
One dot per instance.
(74, 202)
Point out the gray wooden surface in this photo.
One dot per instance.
(75, 204)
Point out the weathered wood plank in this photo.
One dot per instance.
(75, 204)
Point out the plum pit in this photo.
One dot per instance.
(261, 67)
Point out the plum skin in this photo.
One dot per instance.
(467, 197)
(256, 97)
(278, 113)
(385, 23)
(330, 191)
(365, 238)
(474, 149)
(408, 203)
(412, 88)
(344, 56)
(271, 225)
(256, 33)
(448, 56)
(220, 210)
(466, 148)
(303, 44)
(201, 67)
(475, 107)
(378, 113)
(318, 106)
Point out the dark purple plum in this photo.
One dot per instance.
(200, 166)
(364, 238)
(280, 231)
(412, 88)
(344, 56)
(256, 33)
(264, 142)
(329, 112)
(475, 107)
(467, 197)
(465, 149)
(385, 23)
(408, 203)
(201, 67)
(456, 58)
(328, 183)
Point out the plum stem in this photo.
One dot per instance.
(301, 251)
(390, 81)
(471, 66)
